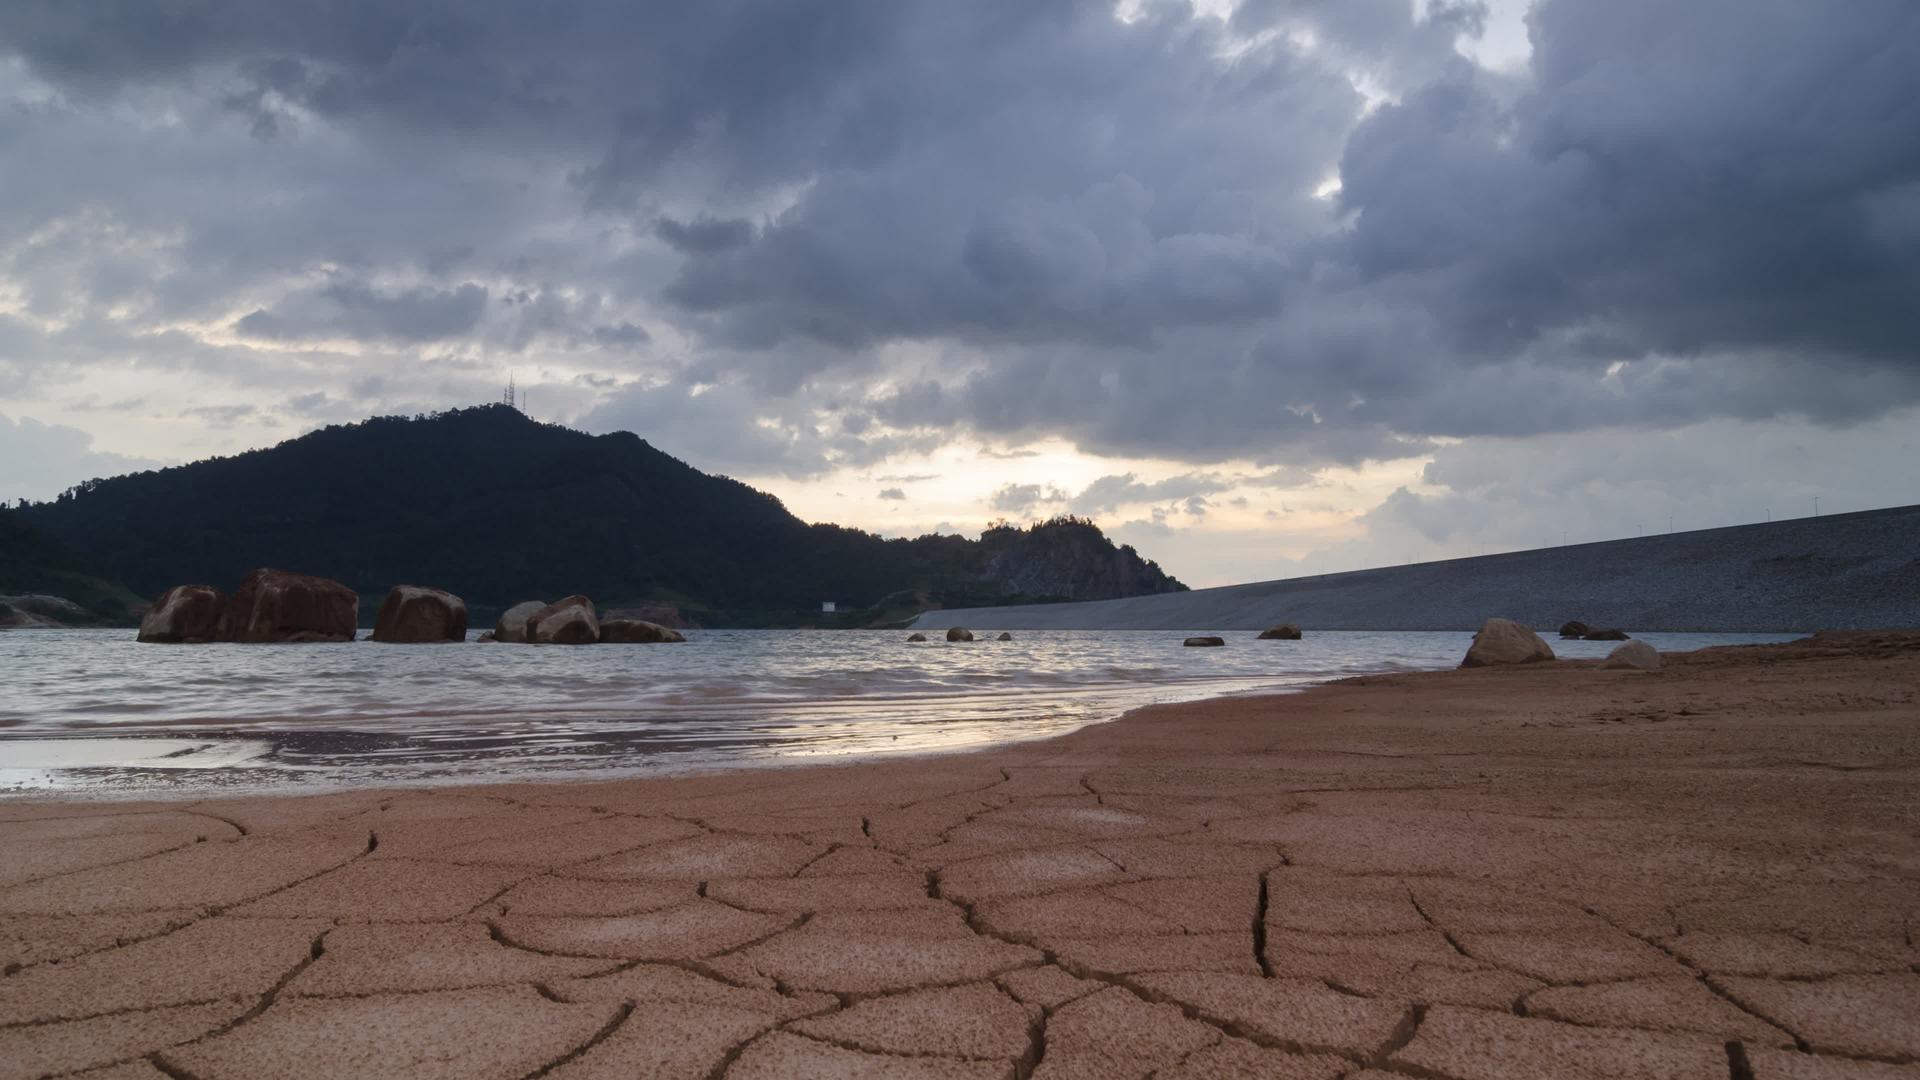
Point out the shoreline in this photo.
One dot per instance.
(703, 720)
(1486, 873)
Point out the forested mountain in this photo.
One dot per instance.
(499, 508)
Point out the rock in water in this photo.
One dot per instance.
(959, 633)
(1004, 636)
(1286, 631)
(916, 637)
(1574, 629)
(637, 632)
(1503, 641)
(1634, 654)
(185, 614)
(415, 613)
(1204, 642)
(282, 606)
(1605, 635)
(564, 622)
(512, 625)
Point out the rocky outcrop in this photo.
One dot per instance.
(1064, 559)
(570, 621)
(1574, 628)
(959, 633)
(39, 611)
(185, 615)
(916, 637)
(1004, 636)
(282, 606)
(1605, 635)
(1204, 642)
(413, 614)
(1503, 641)
(512, 624)
(1633, 654)
(637, 632)
(1286, 631)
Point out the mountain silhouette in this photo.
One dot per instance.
(499, 508)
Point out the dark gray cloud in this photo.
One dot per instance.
(783, 238)
(705, 235)
(357, 311)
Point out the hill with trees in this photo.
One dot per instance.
(499, 508)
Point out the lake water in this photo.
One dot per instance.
(93, 711)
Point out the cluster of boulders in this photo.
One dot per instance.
(1503, 641)
(269, 606)
(573, 621)
(1579, 631)
(282, 606)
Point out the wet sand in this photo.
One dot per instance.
(1550, 871)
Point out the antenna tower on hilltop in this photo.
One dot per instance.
(508, 400)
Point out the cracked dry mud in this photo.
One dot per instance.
(1459, 875)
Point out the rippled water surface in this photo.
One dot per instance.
(93, 710)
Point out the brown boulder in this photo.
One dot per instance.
(916, 637)
(959, 633)
(1004, 636)
(282, 606)
(1204, 642)
(637, 632)
(1286, 631)
(570, 621)
(1634, 654)
(512, 625)
(1574, 629)
(415, 613)
(1503, 641)
(185, 614)
(1605, 635)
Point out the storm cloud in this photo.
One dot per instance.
(781, 238)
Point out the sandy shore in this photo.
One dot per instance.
(1553, 871)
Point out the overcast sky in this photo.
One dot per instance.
(1281, 286)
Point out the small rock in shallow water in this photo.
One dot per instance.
(916, 637)
(1286, 631)
(1205, 642)
(959, 633)
(1503, 641)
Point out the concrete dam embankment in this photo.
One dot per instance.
(1843, 571)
